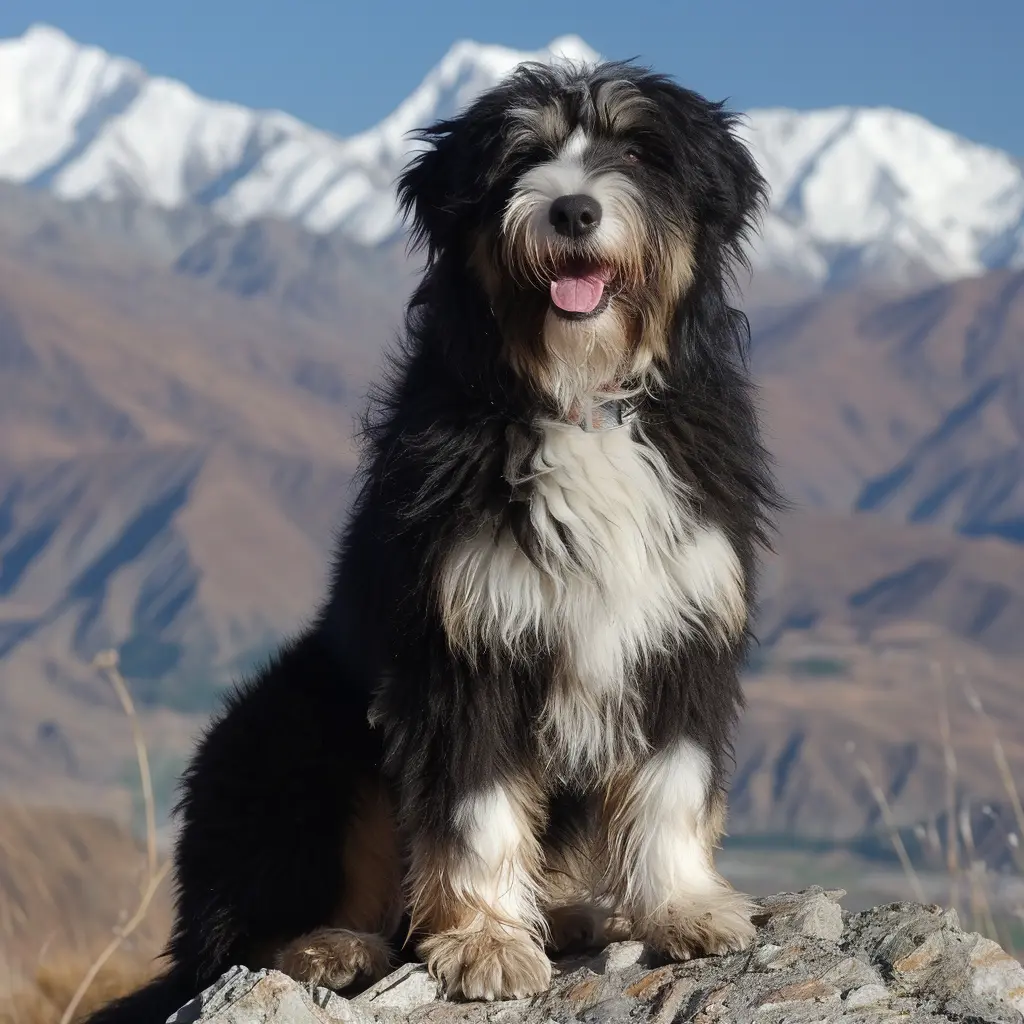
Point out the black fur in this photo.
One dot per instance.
(266, 799)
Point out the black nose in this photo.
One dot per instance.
(575, 216)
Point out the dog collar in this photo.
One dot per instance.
(593, 416)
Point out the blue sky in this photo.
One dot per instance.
(343, 65)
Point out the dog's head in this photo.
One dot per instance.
(587, 203)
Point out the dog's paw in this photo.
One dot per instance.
(583, 926)
(710, 925)
(335, 958)
(487, 964)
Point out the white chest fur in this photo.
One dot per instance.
(624, 572)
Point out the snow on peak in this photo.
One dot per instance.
(41, 34)
(853, 188)
(889, 187)
(85, 124)
(573, 49)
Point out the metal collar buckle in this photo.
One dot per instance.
(615, 412)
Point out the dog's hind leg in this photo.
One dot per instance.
(354, 947)
(475, 893)
(286, 833)
(335, 958)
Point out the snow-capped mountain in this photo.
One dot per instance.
(874, 188)
(86, 124)
(855, 191)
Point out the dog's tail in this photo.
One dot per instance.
(152, 1004)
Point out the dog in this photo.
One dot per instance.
(507, 731)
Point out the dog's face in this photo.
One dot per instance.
(586, 204)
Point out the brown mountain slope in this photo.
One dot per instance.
(863, 573)
(82, 374)
(912, 407)
(824, 706)
(131, 445)
(167, 487)
(175, 457)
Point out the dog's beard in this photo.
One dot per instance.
(569, 359)
(587, 357)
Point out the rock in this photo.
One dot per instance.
(621, 955)
(801, 992)
(996, 974)
(405, 989)
(813, 912)
(767, 956)
(810, 964)
(852, 972)
(866, 995)
(248, 997)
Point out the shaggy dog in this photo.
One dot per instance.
(507, 730)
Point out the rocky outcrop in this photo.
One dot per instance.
(811, 962)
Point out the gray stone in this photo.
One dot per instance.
(866, 995)
(767, 955)
(254, 997)
(620, 955)
(809, 964)
(808, 991)
(820, 918)
(408, 987)
(995, 975)
(608, 1010)
(852, 972)
(813, 912)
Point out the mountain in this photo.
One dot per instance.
(180, 376)
(909, 407)
(859, 194)
(86, 124)
(178, 451)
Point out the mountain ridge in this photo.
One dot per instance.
(860, 193)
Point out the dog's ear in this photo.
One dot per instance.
(428, 189)
(737, 192)
(728, 191)
(444, 183)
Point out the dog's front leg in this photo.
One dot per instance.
(664, 824)
(474, 893)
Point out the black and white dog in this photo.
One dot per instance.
(508, 727)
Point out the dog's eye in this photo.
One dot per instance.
(631, 155)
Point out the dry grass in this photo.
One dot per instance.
(62, 954)
(882, 802)
(965, 867)
(107, 661)
(51, 990)
(64, 879)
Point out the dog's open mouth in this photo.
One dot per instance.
(580, 290)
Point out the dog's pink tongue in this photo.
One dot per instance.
(578, 294)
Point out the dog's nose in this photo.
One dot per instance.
(575, 216)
